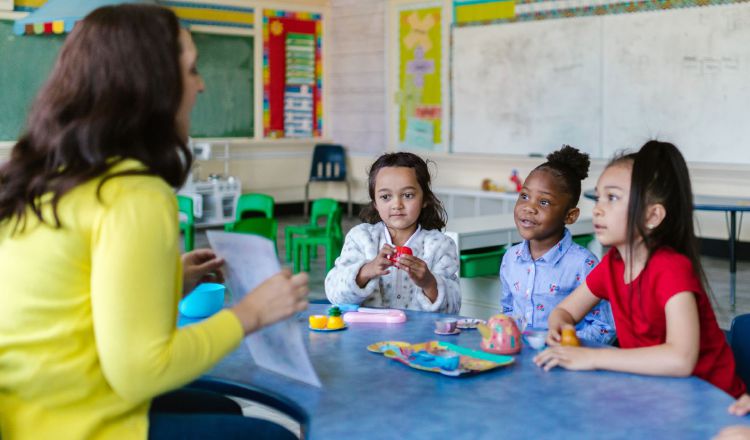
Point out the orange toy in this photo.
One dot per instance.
(569, 337)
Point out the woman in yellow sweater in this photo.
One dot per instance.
(90, 272)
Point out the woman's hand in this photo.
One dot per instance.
(200, 266)
(279, 297)
(571, 358)
(420, 274)
(377, 267)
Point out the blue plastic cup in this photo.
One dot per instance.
(205, 300)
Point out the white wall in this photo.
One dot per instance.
(356, 79)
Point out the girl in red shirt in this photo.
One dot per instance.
(651, 276)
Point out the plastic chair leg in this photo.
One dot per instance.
(297, 256)
(189, 238)
(289, 243)
(306, 257)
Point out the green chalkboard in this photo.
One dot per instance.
(225, 108)
(25, 63)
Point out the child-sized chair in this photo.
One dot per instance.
(328, 165)
(187, 221)
(265, 227)
(251, 203)
(321, 208)
(332, 239)
(739, 340)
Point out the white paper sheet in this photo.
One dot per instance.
(250, 260)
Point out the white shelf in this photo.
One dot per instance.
(468, 202)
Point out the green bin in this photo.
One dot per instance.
(583, 240)
(481, 262)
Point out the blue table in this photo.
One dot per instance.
(366, 395)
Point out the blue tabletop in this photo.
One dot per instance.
(366, 395)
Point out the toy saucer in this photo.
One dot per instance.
(454, 332)
(469, 323)
(326, 330)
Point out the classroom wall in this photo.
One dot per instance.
(357, 74)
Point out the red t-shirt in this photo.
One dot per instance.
(640, 320)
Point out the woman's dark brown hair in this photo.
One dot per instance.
(432, 215)
(113, 94)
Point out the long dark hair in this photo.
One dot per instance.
(570, 166)
(113, 94)
(432, 215)
(660, 175)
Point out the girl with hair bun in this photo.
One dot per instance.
(541, 271)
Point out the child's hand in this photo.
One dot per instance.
(554, 336)
(571, 358)
(738, 432)
(377, 267)
(420, 274)
(741, 406)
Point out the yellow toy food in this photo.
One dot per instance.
(335, 321)
(318, 321)
(569, 337)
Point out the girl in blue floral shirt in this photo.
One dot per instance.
(539, 272)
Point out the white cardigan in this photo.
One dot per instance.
(363, 243)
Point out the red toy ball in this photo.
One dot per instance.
(400, 250)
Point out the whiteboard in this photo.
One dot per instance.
(604, 83)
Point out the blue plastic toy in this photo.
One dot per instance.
(205, 300)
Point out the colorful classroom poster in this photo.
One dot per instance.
(482, 11)
(419, 97)
(292, 74)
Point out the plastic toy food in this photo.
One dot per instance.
(400, 250)
(335, 321)
(318, 321)
(569, 337)
(500, 335)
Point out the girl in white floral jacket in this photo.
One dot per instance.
(403, 212)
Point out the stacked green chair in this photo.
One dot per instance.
(265, 225)
(187, 221)
(321, 208)
(262, 226)
(251, 202)
(331, 237)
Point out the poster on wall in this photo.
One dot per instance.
(292, 75)
(419, 94)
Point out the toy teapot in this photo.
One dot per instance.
(500, 335)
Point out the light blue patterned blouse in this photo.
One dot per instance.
(531, 289)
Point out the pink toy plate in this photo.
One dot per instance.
(378, 316)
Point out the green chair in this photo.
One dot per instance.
(321, 208)
(251, 202)
(187, 220)
(584, 240)
(262, 226)
(331, 238)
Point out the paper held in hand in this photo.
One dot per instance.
(250, 260)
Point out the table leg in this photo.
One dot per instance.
(732, 258)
